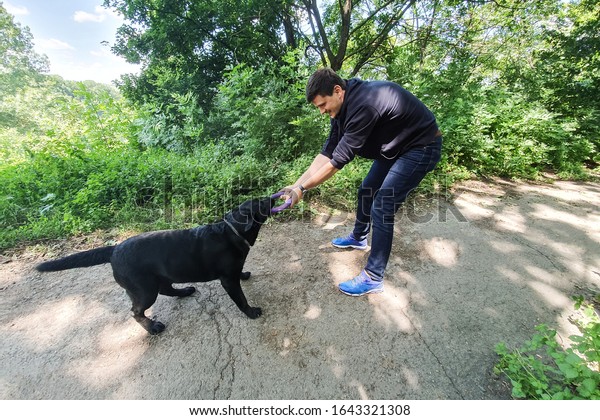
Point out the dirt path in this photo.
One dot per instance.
(500, 259)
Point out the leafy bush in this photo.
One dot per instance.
(262, 112)
(51, 196)
(542, 369)
(176, 126)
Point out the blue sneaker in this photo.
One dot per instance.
(361, 285)
(349, 242)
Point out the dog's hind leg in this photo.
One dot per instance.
(245, 275)
(142, 289)
(140, 303)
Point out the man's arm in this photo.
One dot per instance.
(322, 170)
(314, 167)
(318, 172)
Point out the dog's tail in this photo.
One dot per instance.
(81, 259)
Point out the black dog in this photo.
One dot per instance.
(147, 264)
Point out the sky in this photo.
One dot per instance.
(70, 33)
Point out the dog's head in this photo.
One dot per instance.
(250, 216)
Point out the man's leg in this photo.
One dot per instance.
(367, 190)
(366, 193)
(403, 177)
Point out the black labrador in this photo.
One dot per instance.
(148, 264)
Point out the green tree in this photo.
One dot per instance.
(259, 113)
(513, 83)
(186, 45)
(568, 79)
(505, 82)
(20, 65)
(352, 34)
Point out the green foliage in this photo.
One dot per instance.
(567, 80)
(19, 63)
(176, 126)
(508, 99)
(262, 112)
(51, 196)
(61, 134)
(259, 112)
(542, 369)
(186, 45)
(513, 85)
(219, 113)
(61, 116)
(20, 66)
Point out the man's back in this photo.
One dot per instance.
(379, 119)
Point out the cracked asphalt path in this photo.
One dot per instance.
(464, 275)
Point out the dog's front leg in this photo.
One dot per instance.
(234, 290)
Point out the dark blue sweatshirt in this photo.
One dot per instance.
(378, 120)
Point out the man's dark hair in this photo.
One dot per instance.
(322, 83)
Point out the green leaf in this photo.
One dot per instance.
(568, 371)
(590, 384)
(573, 359)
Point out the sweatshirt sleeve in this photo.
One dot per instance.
(358, 128)
(332, 140)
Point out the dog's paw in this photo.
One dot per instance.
(253, 313)
(156, 328)
(245, 275)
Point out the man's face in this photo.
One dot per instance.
(330, 104)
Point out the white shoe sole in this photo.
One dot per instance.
(362, 294)
(350, 246)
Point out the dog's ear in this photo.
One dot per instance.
(241, 217)
(247, 220)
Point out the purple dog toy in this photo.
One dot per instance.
(282, 207)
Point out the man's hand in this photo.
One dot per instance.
(319, 171)
(292, 192)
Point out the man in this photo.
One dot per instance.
(386, 123)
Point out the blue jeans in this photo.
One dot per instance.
(381, 193)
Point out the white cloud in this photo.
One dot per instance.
(98, 53)
(100, 14)
(102, 69)
(53, 44)
(82, 17)
(16, 10)
(102, 53)
(98, 64)
(108, 12)
(76, 57)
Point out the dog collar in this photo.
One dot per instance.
(237, 233)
